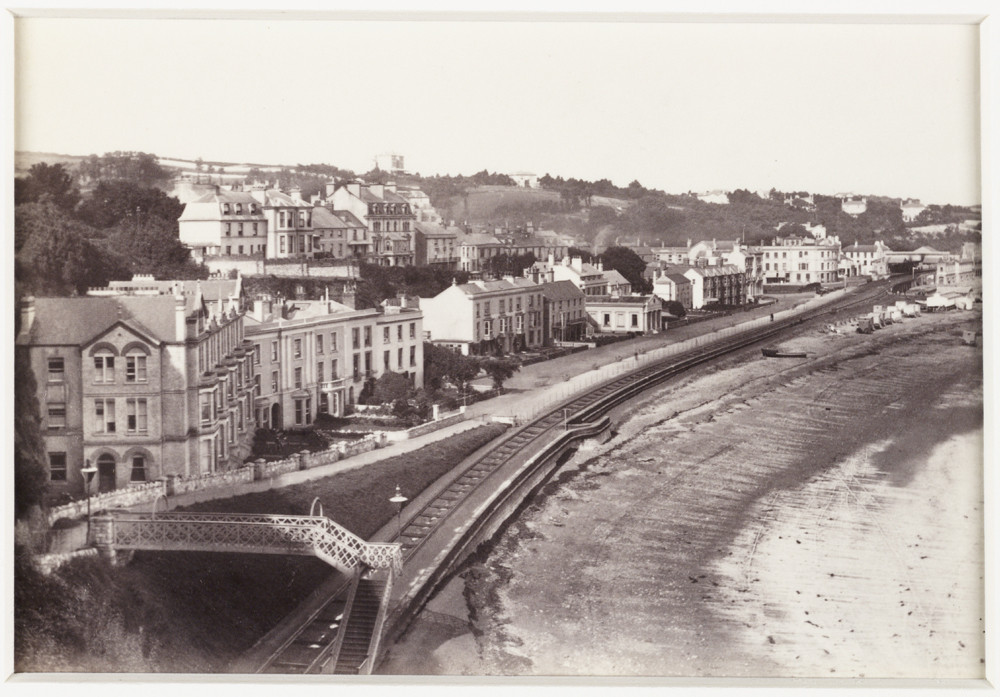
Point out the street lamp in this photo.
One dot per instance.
(399, 500)
(88, 473)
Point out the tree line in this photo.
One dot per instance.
(65, 241)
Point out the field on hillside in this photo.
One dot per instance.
(24, 160)
(481, 202)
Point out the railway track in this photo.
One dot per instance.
(310, 648)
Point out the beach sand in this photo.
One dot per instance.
(816, 517)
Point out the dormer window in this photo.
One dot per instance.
(239, 209)
(225, 209)
(253, 209)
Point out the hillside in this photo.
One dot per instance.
(23, 161)
(595, 212)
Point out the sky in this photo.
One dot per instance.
(884, 109)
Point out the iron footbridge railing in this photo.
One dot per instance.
(313, 535)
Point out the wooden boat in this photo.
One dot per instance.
(775, 353)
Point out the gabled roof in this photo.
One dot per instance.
(676, 278)
(614, 277)
(349, 218)
(561, 290)
(277, 199)
(77, 321)
(325, 218)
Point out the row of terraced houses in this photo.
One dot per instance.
(146, 379)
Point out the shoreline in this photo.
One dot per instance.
(508, 631)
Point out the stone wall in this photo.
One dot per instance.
(47, 563)
(209, 481)
(428, 427)
(247, 266)
(314, 269)
(120, 498)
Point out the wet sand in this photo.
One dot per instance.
(764, 518)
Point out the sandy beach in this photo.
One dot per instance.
(817, 517)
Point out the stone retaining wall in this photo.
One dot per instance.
(208, 481)
(47, 563)
(429, 427)
(120, 498)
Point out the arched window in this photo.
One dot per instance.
(136, 356)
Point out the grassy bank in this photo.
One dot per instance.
(194, 611)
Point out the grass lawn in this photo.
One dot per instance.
(359, 499)
(199, 611)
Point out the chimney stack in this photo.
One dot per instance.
(27, 313)
(349, 297)
(180, 319)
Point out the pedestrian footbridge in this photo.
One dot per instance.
(311, 535)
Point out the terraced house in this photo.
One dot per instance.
(795, 259)
(315, 357)
(485, 317)
(141, 379)
(387, 215)
(224, 224)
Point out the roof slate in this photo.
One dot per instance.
(76, 321)
(561, 290)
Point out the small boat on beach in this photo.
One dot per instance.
(775, 353)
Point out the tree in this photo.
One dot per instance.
(500, 370)
(444, 364)
(674, 308)
(796, 229)
(45, 180)
(509, 265)
(139, 167)
(55, 255)
(650, 216)
(112, 202)
(601, 216)
(635, 189)
(31, 471)
(151, 246)
(627, 263)
(392, 387)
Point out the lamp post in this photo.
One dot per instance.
(399, 500)
(88, 473)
